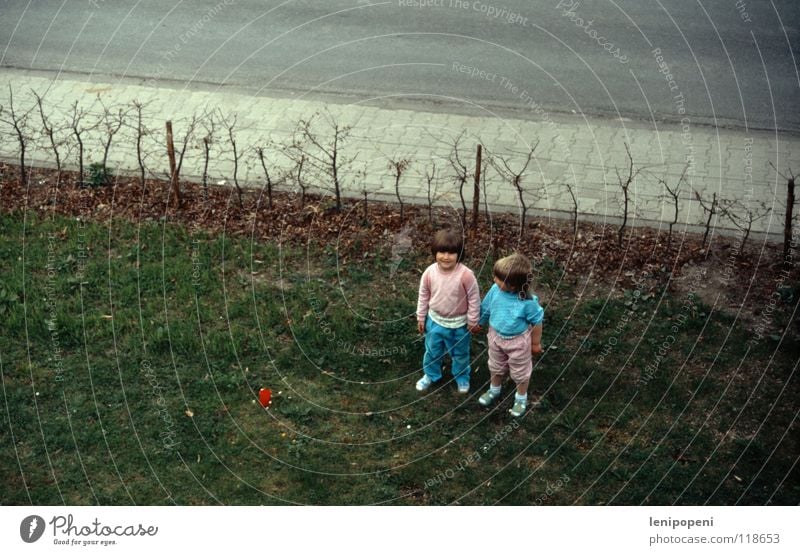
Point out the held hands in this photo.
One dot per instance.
(421, 328)
(536, 349)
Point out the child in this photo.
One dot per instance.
(511, 311)
(448, 308)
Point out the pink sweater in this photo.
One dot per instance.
(449, 294)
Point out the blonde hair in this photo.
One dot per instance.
(516, 273)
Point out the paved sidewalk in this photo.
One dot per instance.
(583, 152)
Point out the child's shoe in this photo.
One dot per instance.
(424, 383)
(488, 398)
(463, 388)
(518, 409)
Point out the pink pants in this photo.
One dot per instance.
(510, 356)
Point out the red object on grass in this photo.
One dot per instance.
(264, 396)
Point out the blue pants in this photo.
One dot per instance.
(441, 341)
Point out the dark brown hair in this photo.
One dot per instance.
(447, 240)
(516, 273)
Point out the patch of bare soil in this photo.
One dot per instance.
(753, 285)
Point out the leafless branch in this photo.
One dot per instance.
(788, 218)
(711, 209)
(743, 217)
(50, 132)
(326, 157)
(112, 122)
(674, 195)
(76, 124)
(19, 123)
(398, 166)
(269, 182)
(209, 126)
(461, 174)
(141, 131)
(625, 184)
(571, 192)
(514, 177)
(230, 125)
(430, 177)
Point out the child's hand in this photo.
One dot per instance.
(474, 329)
(421, 328)
(536, 349)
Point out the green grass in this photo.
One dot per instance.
(132, 356)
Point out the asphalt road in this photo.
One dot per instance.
(724, 62)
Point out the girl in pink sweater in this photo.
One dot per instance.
(448, 309)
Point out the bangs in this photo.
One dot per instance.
(448, 241)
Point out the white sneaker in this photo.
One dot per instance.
(424, 383)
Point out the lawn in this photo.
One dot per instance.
(132, 356)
